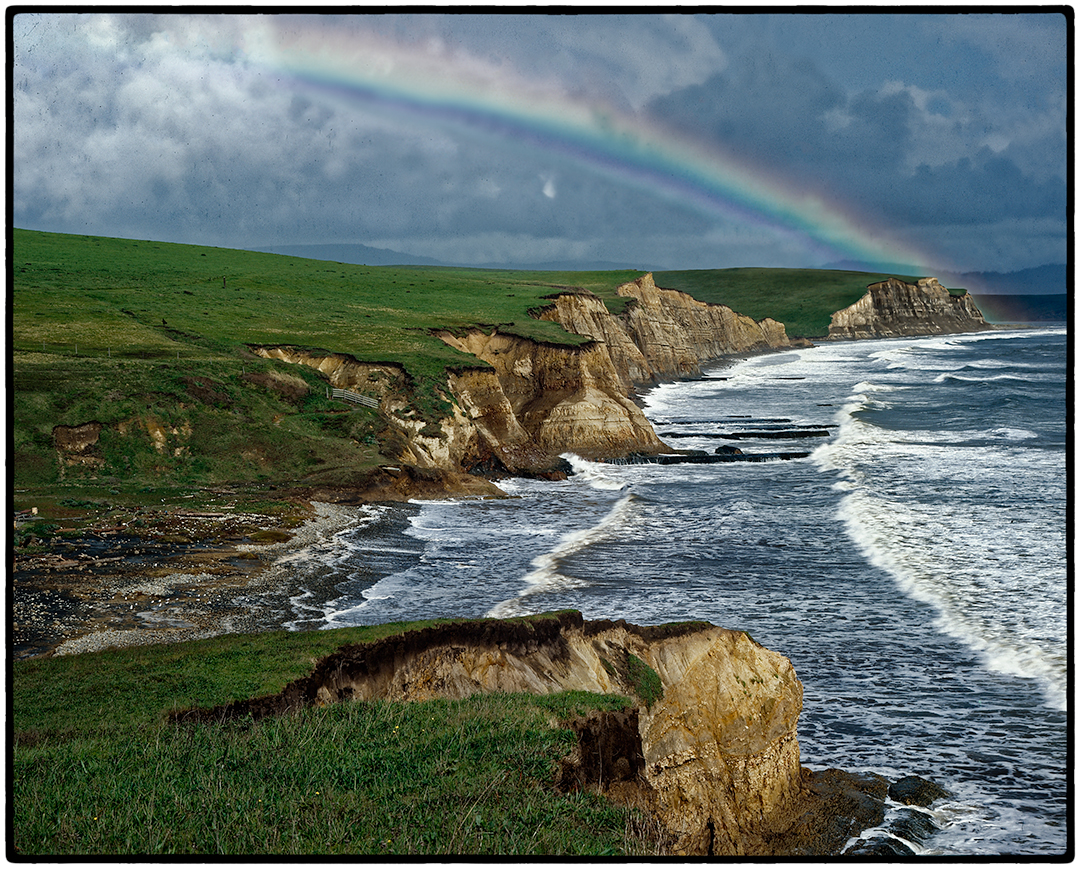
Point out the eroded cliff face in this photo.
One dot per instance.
(558, 399)
(717, 753)
(537, 401)
(447, 447)
(894, 308)
(555, 398)
(676, 332)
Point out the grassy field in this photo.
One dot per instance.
(804, 300)
(115, 331)
(97, 768)
(152, 300)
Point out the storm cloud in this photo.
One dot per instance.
(950, 130)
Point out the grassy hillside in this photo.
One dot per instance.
(98, 769)
(153, 336)
(804, 300)
(140, 299)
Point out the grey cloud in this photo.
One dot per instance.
(224, 155)
(791, 118)
(625, 59)
(117, 131)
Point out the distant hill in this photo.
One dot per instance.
(365, 255)
(1023, 307)
(572, 266)
(355, 254)
(1045, 280)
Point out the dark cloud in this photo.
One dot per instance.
(167, 126)
(868, 149)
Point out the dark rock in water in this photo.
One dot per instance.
(879, 846)
(699, 457)
(913, 790)
(844, 804)
(728, 451)
(789, 433)
(912, 825)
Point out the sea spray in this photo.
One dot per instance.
(546, 577)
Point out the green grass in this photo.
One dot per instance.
(804, 300)
(213, 425)
(645, 679)
(97, 769)
(141, 299)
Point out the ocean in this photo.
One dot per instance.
(912, 566)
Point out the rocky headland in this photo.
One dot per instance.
(710, 749)
(526, 403)
(894, 308)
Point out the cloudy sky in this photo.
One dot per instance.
(677, 141)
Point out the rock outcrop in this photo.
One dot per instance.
(714, 753)
(526, 402)
(893, 308)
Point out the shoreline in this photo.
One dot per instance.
(192, 592)
(89, 593)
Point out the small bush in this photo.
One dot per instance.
(645, 679)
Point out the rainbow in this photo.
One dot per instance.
(432, 83)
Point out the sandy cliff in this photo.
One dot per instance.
(525, 402)
(559, 399)
(893, 308)
(715, 757)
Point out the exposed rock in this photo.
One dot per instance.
(720, 747)
(699, 457)
(893, 308)
(542, 399)
(913, 790)
(912, 825)
(406, 483)
(905, 830)
(879, 846)
(715, 755)
(525, 403)
(548, 399)
(76, 445)
(837, 806)
(676, 333)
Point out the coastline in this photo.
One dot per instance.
(97, 598)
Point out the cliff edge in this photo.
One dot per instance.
(525, 403)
